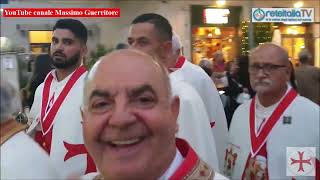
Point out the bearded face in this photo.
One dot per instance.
(66, 49)
(61, 61)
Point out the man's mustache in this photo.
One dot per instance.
(58, 53)
(263, 82)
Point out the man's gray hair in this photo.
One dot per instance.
(205, 64)
(217, 53)
(176, 43)
(304, 56)
(10, 100)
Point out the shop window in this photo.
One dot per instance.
(40, 41)
(207, 40)
(293, 40)
(40, 36)
(293, 45)
(293, 30)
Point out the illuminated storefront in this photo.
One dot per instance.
(40, 41)
(294, 39)
(214, 29)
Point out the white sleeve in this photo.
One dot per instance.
(217, 116)
(35, 111)
(25, 159)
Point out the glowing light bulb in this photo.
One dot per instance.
(217, 31)
(298, 4)
(221, 2)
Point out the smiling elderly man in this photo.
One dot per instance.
(130, 121)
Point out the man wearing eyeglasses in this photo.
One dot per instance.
(276, 118)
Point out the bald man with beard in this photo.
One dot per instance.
(130, 121)
(276, 118)
(55, 113)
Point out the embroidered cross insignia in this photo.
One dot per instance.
(78, 149)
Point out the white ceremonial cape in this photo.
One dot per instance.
(22, 158)
(298, 126)
(193, 122)
(67, 151)
(204, 85)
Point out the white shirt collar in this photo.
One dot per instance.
(263, 113)
(178, 159)
(54, 74)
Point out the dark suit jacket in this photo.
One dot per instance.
(308, 82)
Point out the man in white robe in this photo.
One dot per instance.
(57, 123)
(21, 157)
(197, 78)
(193, 109)
(276, 118)
(152, 34)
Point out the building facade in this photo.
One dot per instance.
(200, 39)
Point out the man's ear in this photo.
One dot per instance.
(83, 53)
(167, 49)
(289, 71)
(84, 50)
(175, 107)
(82, 113)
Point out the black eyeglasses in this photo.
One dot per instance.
(266, 68)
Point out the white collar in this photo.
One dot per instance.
(54, 74)
(178, 159)
(263, 112)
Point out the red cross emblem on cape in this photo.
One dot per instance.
(77, 149)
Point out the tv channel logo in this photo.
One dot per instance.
(298, 15)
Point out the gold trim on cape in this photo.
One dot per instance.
(9, 129)
(202, 171)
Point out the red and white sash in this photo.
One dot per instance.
(180, 62)
(178, 65)
(257, 141)
(192, 167)
(47, 118)
(190, 161)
